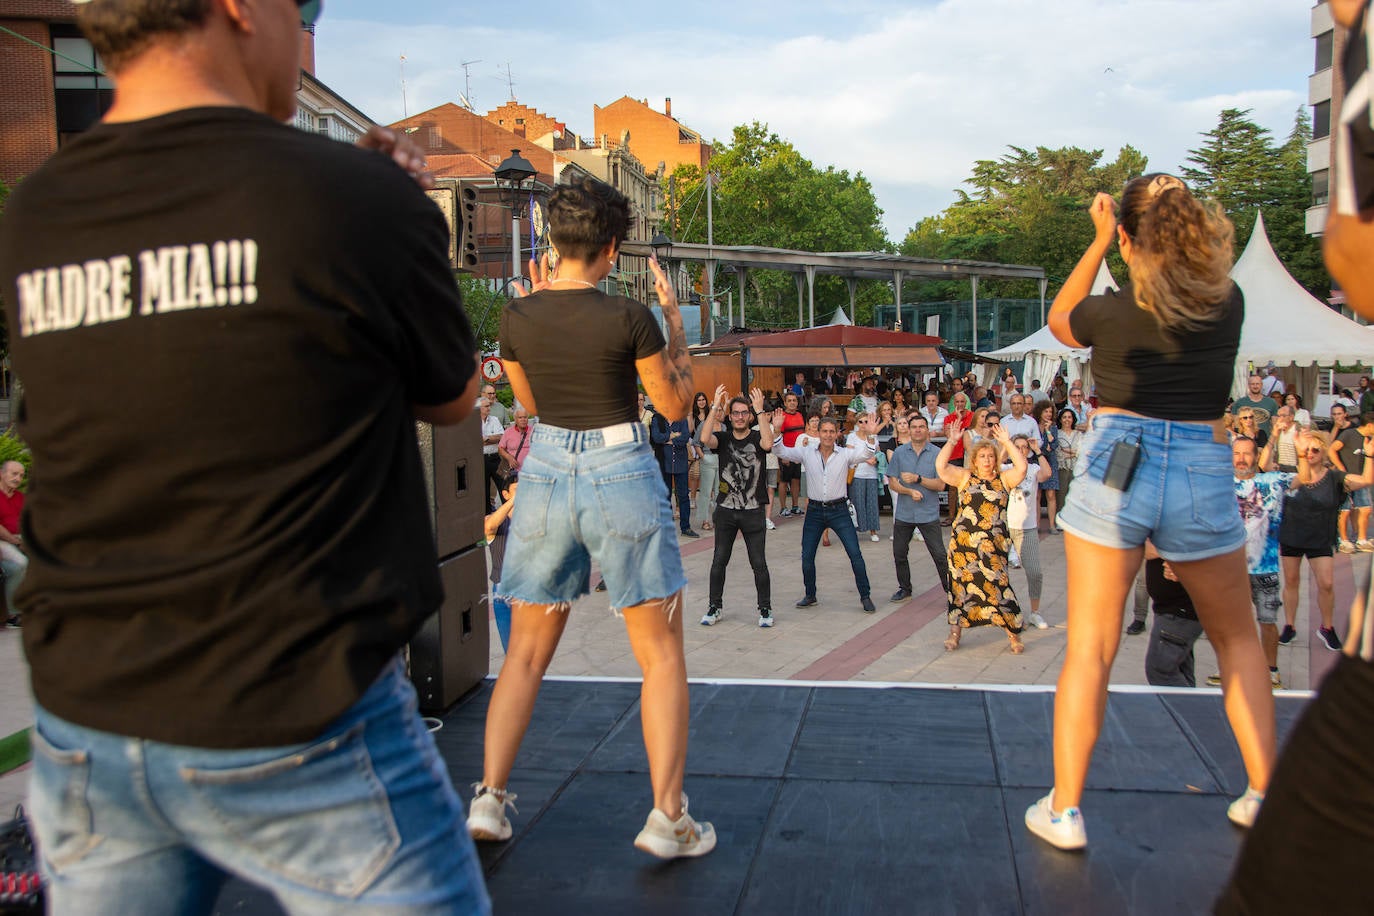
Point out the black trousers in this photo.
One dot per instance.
(902, 533)
(750, 522)
(490, 465)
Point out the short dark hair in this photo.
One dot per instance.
(120, 29)
(739, 399)
(585, 216)
(831, 420)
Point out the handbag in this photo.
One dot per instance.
(21, 885)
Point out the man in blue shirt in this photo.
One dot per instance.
(916, 489)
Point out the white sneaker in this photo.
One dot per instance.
(765, 617)
(1063, 830)
(1245, 809)
(487, 813)
(873, 537)
(1345, 546)
(768, 523)
(1037, 621)
(675, 839)
(711, 616)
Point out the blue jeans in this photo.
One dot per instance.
(684, 502)
(836, 518)
(361, 820)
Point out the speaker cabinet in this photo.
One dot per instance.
(450, 654)
(453, 469)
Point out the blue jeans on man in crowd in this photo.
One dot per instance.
(684, 502)
(819, 517)
(362, 820)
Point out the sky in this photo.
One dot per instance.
(910, 94)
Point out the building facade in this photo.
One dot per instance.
(655, 137)
(1325, 94)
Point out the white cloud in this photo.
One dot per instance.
(910, 98)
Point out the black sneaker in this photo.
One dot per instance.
(1288, 635)
(1136, 628)
(710, 617)
(765, 617)
(807, 601)
(12, 621)
(868, 606)
(689, 533)
(900, 594)
(1329, 638)
(600, 586)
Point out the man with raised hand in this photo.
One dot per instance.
(215, 619)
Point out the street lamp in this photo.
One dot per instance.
(662, 246)
(511, 176)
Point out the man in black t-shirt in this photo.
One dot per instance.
(742, 502)
(1347, 455)
(228, 558)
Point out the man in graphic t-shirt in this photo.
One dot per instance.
(1255, 397)
(227, 558)
(743, 497)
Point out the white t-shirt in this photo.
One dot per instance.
(1023, 502)
(864, 471)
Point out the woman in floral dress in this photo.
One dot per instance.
(980, 592)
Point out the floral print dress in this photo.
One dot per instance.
(980, 590)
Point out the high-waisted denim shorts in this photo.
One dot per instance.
(1182, 497)
(591, 493)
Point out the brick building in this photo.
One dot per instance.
(524, 121)
(654, 136)
(47, 97)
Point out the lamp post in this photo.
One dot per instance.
(511, 176)
(663, 251)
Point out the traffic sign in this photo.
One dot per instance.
(492, 368)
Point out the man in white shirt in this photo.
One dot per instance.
(1036, 394)
(1020, 423)
(1273, 385)
(866, 401)
(827, 485)
(491, 456)
(934, 415)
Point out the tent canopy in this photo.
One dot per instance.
(842, 345)
(1284, 323)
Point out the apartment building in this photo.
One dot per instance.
(1325, 94)
(655, 137)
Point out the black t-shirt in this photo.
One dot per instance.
(743, 477)
(1352, 448)
(222, 324)
(1167, 595)
(578, 349)
(1182, 376)
(1309, 513)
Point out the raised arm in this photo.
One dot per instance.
(765, 420)
(667, 375)
(1366, 476)
(708, 430)
(1080, 282)
(1017, 473)
(950, 474)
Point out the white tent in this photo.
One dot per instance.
(840, 317)
(1043, 352)
(1287, 325)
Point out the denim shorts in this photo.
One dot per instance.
(361, 820)
(580, 498)
(1356, 499)
(1182, 496)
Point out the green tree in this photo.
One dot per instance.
(767, 193)
(483, 305)
(1241, 167)
(1028, 207)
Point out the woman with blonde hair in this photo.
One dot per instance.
(1156, 465)
(980, 592)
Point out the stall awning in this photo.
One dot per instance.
(842, 346)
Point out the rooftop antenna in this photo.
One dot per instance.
(466, 94)
(405, 110)
(510, 83)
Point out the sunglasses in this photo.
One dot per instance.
(310, 11)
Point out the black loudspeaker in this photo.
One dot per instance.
(450, 654)
(454, 477)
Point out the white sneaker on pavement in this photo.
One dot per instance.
(1037, 621)
(1245, 809)
(487, 813)
(768, 523)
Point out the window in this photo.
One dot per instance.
(1321, 120)
(81, 91)
(1321, 187)
(1324, 43)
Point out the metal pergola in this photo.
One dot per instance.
(853, 266)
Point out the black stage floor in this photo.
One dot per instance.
(856, 800)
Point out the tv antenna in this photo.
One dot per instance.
(510, 83)
(466, 94)
(405, 110)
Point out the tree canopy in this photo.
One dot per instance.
(767, 193)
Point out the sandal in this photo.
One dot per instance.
(952, 641)
(705, 526)
(1017, 646)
